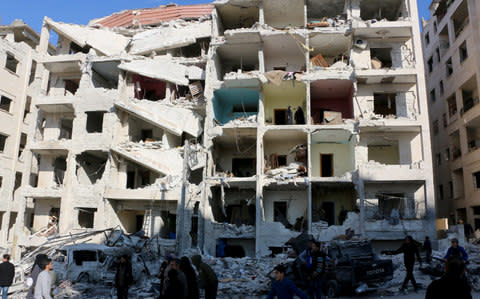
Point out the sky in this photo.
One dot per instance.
(81, 11)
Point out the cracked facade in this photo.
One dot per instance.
(245, 121)
(451, 42)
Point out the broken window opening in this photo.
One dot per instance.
(18, 180)
(71, 86)
(469, 95)
(236, 106)
(318, 12)
(33, 69)
(433, 96)
(458, 184)
(234, 205)
(392, 10)
(95, 121)
(66, 126)
(460, 18)
(391, 206)
(381, 58)
(198, 49)
(452, 105)
(139, 177)
(23, 142)
(238, 16)
(11, 63)
(441, 195)
(59, 169)
(149, 88)
(280, 211)
(442, 88)
(331, 101)
(427, 38)
(454, 139)
(81, 256)
(1, 181)
(28, 104)
(3, 141)
(387, 153)
(463, 51)
(91, 166)
(86, 217)
(237, 59)
(430, 64)
(384, 104)
(244, 167)
(5, 103)
(449, 67)
(235, 248)
(74, 48)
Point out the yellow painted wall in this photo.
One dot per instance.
(344, 197)
(289, 93)
(342, 158)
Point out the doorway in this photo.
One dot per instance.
(329, 210)
(280, 116)
(326, 165)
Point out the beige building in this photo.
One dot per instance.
(451, 41)
(17, 75)
(242, 121)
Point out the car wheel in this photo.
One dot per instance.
(333, 289)
(83, 277)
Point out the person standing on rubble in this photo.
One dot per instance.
(7, 273)
(123, 278)
(36, 269)
(175, 265)
(456, 251)
(43, 286)
(315, 271)
(410, 251)
(427, 245)
(175, 288)
(453, 284)
(187, 269)
(283, 288)
(207, 276)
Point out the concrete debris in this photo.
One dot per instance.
(104, 41)
(174, 119)
(159, 68)
(293, 170)
(170, 35)
(252, 119)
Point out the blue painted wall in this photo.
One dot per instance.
(225, 99)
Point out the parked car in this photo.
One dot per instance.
(93, 263)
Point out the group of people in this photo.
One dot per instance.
(453, 284)
(179, 279)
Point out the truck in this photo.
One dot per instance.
(351, 266)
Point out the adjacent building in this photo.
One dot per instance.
(238, 123)
(451, 41)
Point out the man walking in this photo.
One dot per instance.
(123, 278)
(207, 276)
(7, 273)
(427, 245)
(43, 287)
(283, 288)
(180, 276)
(409, 250)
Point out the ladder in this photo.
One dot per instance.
(147, 221)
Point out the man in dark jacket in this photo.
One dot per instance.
(187, 269)
(182, 278)
(409, 250)
(283, 288)
(7, 273)
(427, 245)
(299, 116)
(314, 268)
(175, 288)
(452, 284)
(207, 276)
(123, 278)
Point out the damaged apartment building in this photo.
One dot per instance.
(236, 124)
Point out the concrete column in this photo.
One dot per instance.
(261, 13)
(68, 215)
(44, 38)
(259, 192)
(361, 193)
(309, 176)
(261, 59)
